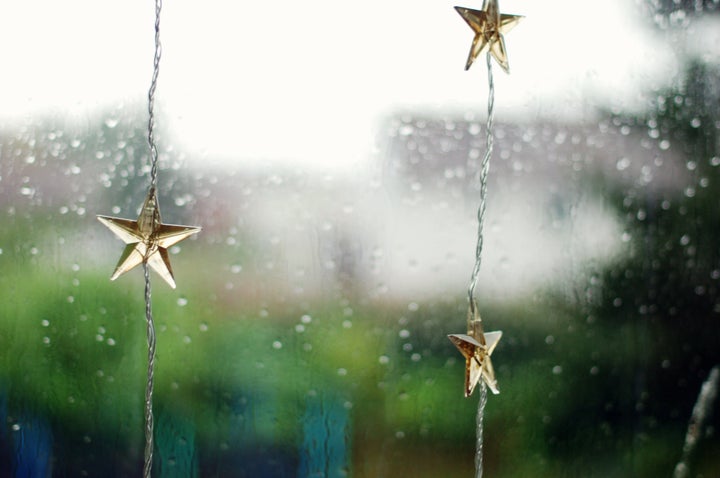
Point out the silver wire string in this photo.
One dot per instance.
(149, 425)
(151, 98)
(484, 170)
(147, 470)
(479, 431)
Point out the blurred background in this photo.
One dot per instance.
(330, 150)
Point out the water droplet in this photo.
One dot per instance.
(406, 130)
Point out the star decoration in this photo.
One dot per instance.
(489, 26)
(147, 239)
(476, 347)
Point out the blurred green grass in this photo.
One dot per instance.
(240, 368)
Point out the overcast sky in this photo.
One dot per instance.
(307, 81)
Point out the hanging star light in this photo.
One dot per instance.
(476, 347)
(489, 26)
(147, 239)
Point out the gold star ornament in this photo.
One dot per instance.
(147, 239)
(489, 26)
(476, 347)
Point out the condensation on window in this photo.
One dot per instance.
(307, 334)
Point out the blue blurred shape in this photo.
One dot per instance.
(175, 451)
(324, 452)
(32, 448)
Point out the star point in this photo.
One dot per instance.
(477, 346)
(489, 26)
(147, 239)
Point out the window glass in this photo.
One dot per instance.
(330, 153)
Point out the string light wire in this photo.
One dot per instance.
(149, 425)
(483, 179)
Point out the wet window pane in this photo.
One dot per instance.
(331, 154)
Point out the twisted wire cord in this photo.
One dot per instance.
(151, 98)
(149, 423)
(484, 170)
(147, 469)
(479, 431)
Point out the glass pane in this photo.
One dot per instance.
(330, 153)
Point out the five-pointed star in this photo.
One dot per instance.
(476, 347)
(489, 26)
(147, 239)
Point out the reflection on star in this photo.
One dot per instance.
(477, 347)
(147, 239)
(489, 26)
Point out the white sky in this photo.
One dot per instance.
(307, 81)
